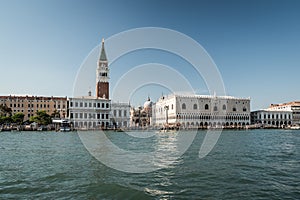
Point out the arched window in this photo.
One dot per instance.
(215, 108)
(224, 107)
(206, 107)
(195, 106)
(183, 106)
(172, 107)
(244, 109)
(234, 109)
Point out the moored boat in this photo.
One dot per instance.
(295, 127)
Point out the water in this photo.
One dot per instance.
(254, 164)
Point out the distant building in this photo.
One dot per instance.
(294, 107)
(88, 112)
(285, 114)
(141, 116)
(29, 105)
(201, 111)
(120, 115)
(276, 118)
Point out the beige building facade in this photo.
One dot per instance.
(29, 105)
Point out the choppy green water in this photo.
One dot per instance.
(255, 164)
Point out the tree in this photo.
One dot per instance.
(4, 110)
(41, 118)
(18, 118)
(55, 114)
(5, 120)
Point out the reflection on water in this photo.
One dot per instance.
(159, 151)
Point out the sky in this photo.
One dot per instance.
(254, 44)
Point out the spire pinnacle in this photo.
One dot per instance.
(102, 52)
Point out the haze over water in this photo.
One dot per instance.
(254, 164)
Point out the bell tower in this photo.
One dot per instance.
(102, 78)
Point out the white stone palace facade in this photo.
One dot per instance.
(201, 111)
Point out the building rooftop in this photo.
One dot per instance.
(202, 96)
(292, 103)
(28, 97)
(269, 110)
(88, 97)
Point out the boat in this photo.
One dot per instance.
(62, 125)
(42, 128)
(65, 129)
(169, 128)
(295, 127)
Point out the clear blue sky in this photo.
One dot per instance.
(255, 44)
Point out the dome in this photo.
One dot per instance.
(148, 104)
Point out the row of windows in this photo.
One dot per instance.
(227, 101)
(165, 108)
(88, 116)
(208, 117)
(212, 114)
(206, 107)
(187, 124)
(18, 111)
(38, 101)
(27, 111)
(120, 113)
(90, 124)
(273, 116)
(121, 124)
(277, 123)
(89, 105)
(37, 105)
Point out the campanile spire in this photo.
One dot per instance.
(102, 74)
(102, 52)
